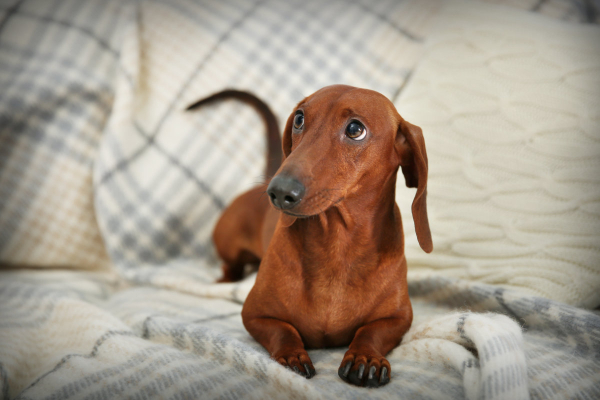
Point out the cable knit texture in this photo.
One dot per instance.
(508, 103)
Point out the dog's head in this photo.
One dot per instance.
(342, 142)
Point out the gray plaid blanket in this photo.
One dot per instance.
(73, 335)
(109, 192)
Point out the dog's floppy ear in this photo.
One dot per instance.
(287, 136)
(410, 146)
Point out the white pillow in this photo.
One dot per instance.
(508, 103)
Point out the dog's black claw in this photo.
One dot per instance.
(347, 369)
(384, 376)
(310, 372)
(361, 371)
(355, 377)
(372, 380)
(297, 370)
(343, 371)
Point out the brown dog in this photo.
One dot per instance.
(333, 271)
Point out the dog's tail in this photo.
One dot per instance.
(274, 150)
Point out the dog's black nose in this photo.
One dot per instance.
(285, 192)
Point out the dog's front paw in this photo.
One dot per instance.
(298, 361)
(364, 369)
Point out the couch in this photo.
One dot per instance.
(109, 191)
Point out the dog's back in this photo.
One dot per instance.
(245, 228)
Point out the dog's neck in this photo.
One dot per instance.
(352, 234)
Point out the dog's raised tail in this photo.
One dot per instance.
(274, 150)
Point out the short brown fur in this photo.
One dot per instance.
(332, 270)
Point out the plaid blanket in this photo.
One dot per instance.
(110, 191)
(69, 335)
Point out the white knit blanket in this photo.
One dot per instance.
(82, 336)
(72, 335)
(110, 190)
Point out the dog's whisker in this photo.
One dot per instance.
(262, 179)
(259, 194)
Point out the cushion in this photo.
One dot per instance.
(56, 75)
(508, 105)
(164, 175)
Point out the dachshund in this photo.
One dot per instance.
(328, 235)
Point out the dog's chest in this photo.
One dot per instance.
(331, 314)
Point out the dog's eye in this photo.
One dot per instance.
(356, 131)
(298, 120)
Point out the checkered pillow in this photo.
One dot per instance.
(164, 175)
(57, 63)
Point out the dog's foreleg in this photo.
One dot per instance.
(283, 342)
(364, 363)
